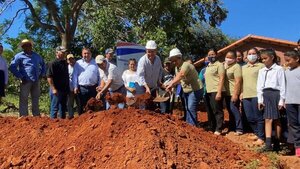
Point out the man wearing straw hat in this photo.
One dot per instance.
(29, 67)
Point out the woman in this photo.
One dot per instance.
(249, 96)
(187, 76)
(233, 81)
(214, 77)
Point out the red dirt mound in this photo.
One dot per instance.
(93, 105)
(116, 138)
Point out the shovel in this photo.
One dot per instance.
(130, 101)
(162, 98)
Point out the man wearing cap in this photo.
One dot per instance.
(71, 96)
(112, 77)
(29, 67)
(85, 78)
(150, 69)
(187, 76)
(3, 73)
(109, 54)
(58, 79)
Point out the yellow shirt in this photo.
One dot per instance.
(190, 82)
(249, 75)
(212, 76)
(232, 72)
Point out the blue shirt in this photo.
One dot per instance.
(86, 74)
(3, 67)
(28, 67)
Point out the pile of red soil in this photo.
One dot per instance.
(128, 138)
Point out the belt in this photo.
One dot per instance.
(88, 86)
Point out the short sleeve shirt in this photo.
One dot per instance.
(58, 71)
(232, 72)
(249, 75)
(190, 81)
(212, 76)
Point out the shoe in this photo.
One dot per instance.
(259, 142)
(265, 149)
(238, 133)
(276, 146)
(297, 152)
(253, 137)
(218, 134)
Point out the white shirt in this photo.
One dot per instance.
(112, 73)
(273, 78)
(149, 73)
(3, 67)
(132, 77)
(85, 74)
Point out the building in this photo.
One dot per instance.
(260, 42)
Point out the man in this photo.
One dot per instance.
(29, 67)
(3, 73)
(109, 54)
(85, 78)
(111, 76)
(71, 96)
(150, 69)
(58, 79)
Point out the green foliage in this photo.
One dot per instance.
(253, 164)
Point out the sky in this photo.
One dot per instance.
(271, 18)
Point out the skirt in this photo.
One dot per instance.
(2, 83)
(271, 100)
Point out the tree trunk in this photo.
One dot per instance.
(66, 39)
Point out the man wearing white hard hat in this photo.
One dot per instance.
(112, 78)
(187, 76)
(150, 69)
(29, 67)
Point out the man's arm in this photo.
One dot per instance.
(14, 65)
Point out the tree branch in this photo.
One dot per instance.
(53, 11)
(75, 14)
(36, 18)
(13, 19)
(6, 5)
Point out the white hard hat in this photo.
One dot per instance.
(175, 52)
(151, 45)
(99, 59)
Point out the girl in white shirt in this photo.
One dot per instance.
(271, 96)
(292, 102)
(131, 82)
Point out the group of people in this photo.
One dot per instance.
(254, 84)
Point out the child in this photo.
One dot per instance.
(233, 80)
(271, 95)
(292, 101)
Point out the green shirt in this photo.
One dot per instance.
(232, 72)
(190, 82)
(249, 75)
(212, 76)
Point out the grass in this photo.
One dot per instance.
(253, 164)
(12, 100)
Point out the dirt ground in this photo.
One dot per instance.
(128, 138)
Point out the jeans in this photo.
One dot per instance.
(254, 117)
(70, 103)
(33, 88)
(217, 109)
(235, 118)
(191, 101)
(85, 93)
(58, 105)
(165, 107)
(293, 115)
(121, 90)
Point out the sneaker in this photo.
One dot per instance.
(259, 142)
(218, 133)
(297, 152)
(265, 149)
(238, 133)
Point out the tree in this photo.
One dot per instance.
(60, 17)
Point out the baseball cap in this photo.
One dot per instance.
(61, 49)
(70, 56)
(99, 59)
(109, 50)
(26, 41)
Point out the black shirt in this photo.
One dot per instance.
(58, 71)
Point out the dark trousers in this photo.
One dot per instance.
(254, 117)
(217, 109)
(85, 93)
(293, 114)
(235, 117)
(165, 107)
(58, 105)
(210, 114)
